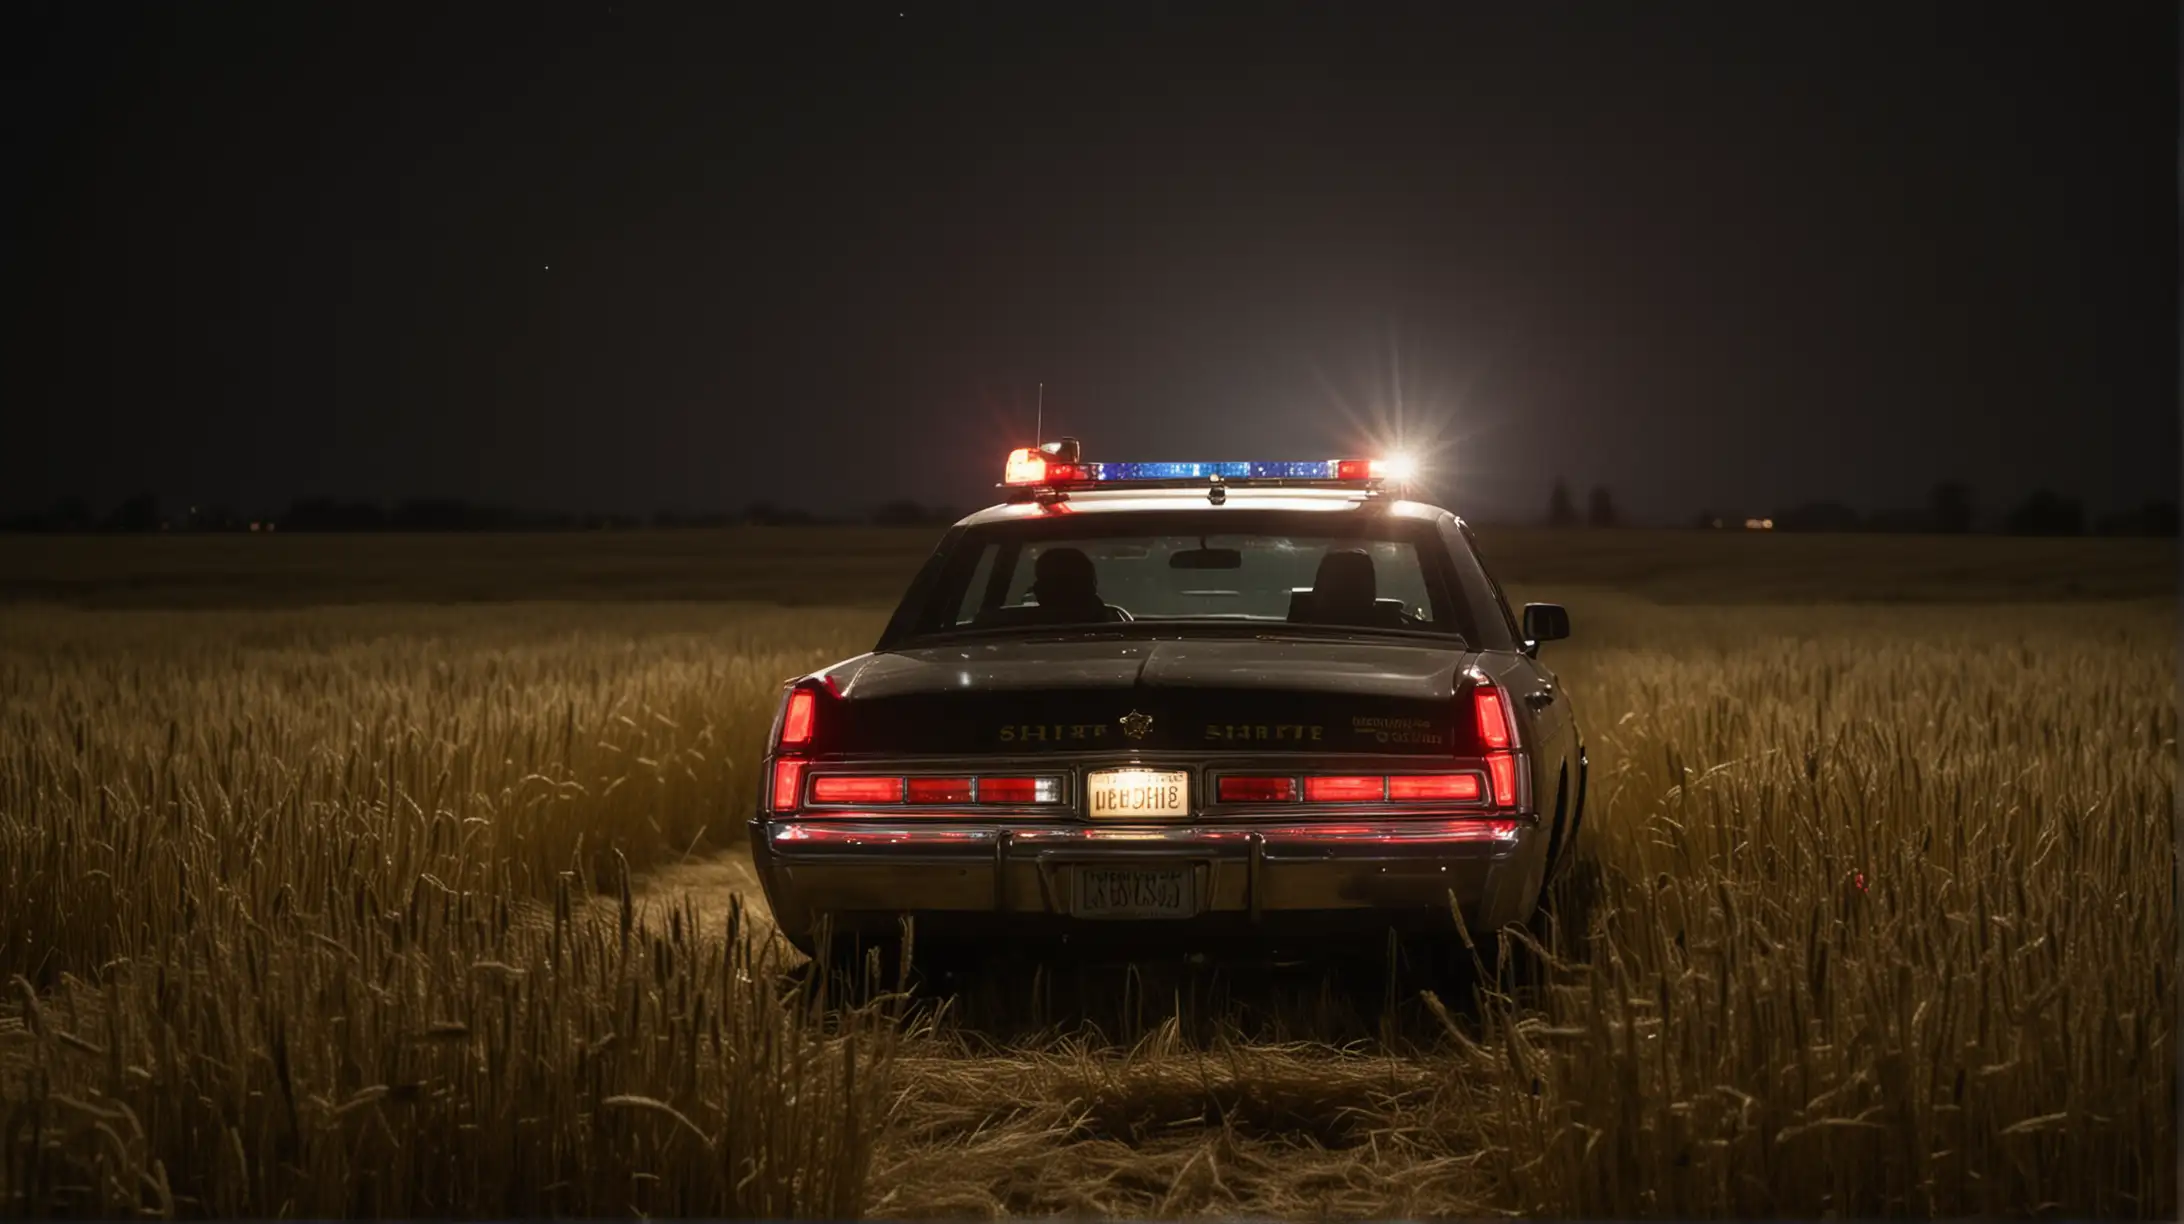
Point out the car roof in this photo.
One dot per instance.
(1128, 501)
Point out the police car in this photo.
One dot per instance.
(1180, 705)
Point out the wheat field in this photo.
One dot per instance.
(374, 909)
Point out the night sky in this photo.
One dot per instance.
(629, 256)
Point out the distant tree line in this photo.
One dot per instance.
(144, 513)
(1948, 510)
(1599, 508)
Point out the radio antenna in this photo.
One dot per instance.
(1038, 420)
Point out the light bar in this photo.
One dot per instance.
(1033, 466)
(1234, 469)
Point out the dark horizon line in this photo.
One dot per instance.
(2043, 512)
(85, 505)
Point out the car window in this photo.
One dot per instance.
(1229, 566)
(975, 589)
(1141, 574)
(1478, 581)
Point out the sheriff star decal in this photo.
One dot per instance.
(1135, 725)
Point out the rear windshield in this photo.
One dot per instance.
(1315, 572)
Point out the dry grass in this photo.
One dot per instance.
(306, 903)
(1888, 925)
(439, 1059)
(1878, 918)
(226, 761)
(869, 566)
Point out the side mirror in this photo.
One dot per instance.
(1545, 622)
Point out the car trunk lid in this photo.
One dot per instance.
(1269, 693)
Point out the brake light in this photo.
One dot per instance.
(1446, 788)
(1256, 790)
(1346, 789)
(798, 718)
(1497, 739)
(940, 790)
(835, 789)
(788, 783)
(1492, 719)
(1503, 767)
(1020, 790)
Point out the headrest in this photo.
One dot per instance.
(1064, 576)
(1343, 590)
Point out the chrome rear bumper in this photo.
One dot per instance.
(1016, 878)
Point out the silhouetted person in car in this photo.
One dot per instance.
(1067, 587)
(1346, 592)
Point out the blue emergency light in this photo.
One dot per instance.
(1055, 465)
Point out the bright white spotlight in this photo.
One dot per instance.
(1396, 467)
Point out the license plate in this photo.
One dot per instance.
(1136, 892)
(1124, 794)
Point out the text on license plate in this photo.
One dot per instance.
(1123, 793)
(1136, 892)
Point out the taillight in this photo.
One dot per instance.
(1503, 768)
(1497, 738)
(788, 780)
(852, 789)
(1346, 789)
(940, 790)
(1256, 790)
(1444, 788)
(1493, 720)
(1020, 790)
(799, 718)
(1352, 788)
(830, 788)
(799, 728)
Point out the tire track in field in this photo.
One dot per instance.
(709, 886)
